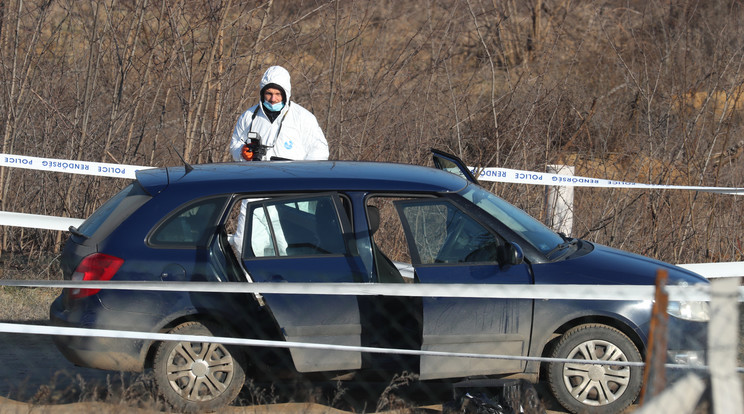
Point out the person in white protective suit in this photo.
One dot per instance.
(289, 130)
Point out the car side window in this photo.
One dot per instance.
(191, 226)
(294, 227)
(442, 233)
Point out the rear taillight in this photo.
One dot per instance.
(97, 266)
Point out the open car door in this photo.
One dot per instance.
(453, 164)
(305, 239)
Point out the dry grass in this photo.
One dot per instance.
(135, 393)
(652, 87)
(26, 304)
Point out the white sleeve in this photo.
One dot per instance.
(239, 134)
(317, 146)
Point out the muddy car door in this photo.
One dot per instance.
(448, 245)
(306, 239)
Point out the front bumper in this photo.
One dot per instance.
(687, 342)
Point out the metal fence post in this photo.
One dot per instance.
(654, 374)
(723, 338)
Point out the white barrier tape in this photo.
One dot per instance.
(486, 174)
(715, 270)
(520, 291)
(107, 333)
(36, 221)
(507, 175)
(68, 166)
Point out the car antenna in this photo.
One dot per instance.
(186, 165)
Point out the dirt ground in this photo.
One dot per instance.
(36, 378)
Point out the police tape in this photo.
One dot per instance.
(69, 166)
(507, 175)
(18, 328)
(676, 293)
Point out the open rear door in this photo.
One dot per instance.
(453, 164)
(303, 239)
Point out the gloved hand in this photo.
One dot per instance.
(247, 153)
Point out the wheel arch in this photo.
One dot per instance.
(620, 324)
(233, 328)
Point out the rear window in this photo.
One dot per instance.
(191, 226)
(115, 210)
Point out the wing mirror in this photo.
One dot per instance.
(510, 254)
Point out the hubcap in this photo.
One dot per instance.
(596, 384)
(200, 368)
(199, 371)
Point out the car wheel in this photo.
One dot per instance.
(595, 389)
(198, 376)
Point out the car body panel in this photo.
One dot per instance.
(478, 326)
(284, 176)
(467, 255)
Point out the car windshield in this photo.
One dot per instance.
(516, 219)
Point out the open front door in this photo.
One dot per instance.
(453, 164)
(304, 239)
(449, 246)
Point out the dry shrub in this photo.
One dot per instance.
(639, 89)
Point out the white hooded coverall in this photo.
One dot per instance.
(294, 134)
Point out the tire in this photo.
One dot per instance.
(198, 376)
(595, 389)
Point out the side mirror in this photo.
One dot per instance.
(510, 255)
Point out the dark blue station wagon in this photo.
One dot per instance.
(353, 222)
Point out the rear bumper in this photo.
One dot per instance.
(95, 352)
(89, 352)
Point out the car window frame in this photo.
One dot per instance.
(413, 249)
(341, 202)
(216, 220)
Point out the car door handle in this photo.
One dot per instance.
(277, 278)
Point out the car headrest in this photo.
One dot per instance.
(373, 216)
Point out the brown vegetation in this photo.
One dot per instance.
(645, 90)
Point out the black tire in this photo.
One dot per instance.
(198, 376)
(595, 389)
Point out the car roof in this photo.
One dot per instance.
(288, 176)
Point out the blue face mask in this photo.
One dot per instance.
(274, 107)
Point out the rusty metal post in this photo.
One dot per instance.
(654, 374)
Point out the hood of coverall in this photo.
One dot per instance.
(277, 75)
